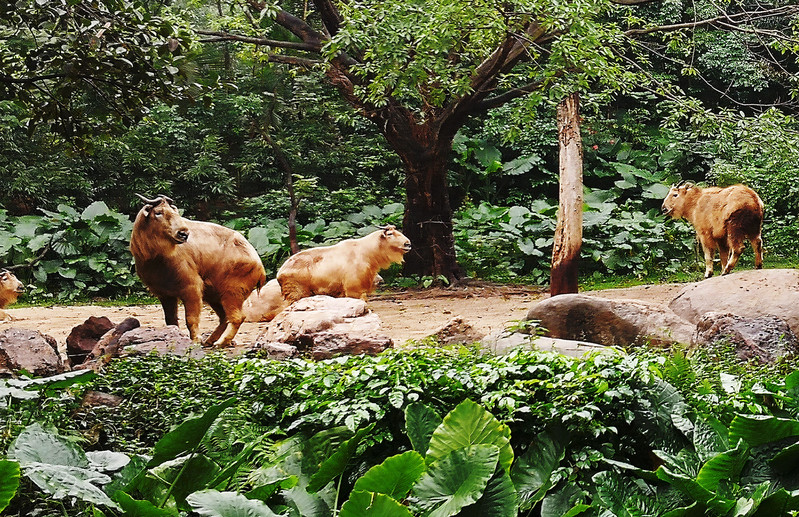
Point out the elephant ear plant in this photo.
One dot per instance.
(462, 464)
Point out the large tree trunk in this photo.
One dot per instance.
(569, 229)
(428, 214)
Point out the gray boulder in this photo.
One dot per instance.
(323, 327)
(610, 322)
(164, 341)
(753, 293)
(764, 338)
(29, 350)
(504, 342)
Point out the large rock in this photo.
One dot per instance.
(759, 292)
(610, 322)
(764, 338)
(503, 342)
(84, 337)
(164, 341)
(29, 350)
(323, 327)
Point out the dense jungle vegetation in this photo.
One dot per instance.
(105, 99)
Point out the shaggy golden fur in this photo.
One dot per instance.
(348, 268)
(267, 302)
(724, 219)
(194, 261)
(10, 288)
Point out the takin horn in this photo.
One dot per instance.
(150, 201)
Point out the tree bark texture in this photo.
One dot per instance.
(428, 215)
(569, 230)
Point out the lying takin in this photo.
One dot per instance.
(724, 219)
(348, 268)
(10, 289)
(194, 261)
(267, 302)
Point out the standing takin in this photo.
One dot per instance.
(348, 268)
(10, 289)
(724, 219)
(194, 261)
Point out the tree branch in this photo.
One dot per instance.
(633, 2)
(330, 16)
(294, 61)
(731, 19)
(217, 36)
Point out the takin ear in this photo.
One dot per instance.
(146, 210)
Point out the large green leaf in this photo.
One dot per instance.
(187, 435)
(466, 425)
(780, 502)
(227, 504)
(9, 481)
(759, 429)
(565, 502)
(307, 505)
(135, 508)
(420, 423)
(63, 481)
(394, 477)
(95, 209)
(456, 480)
(197, 475)
(688, 486)
(727, 465)
(532, 471)
(334, 466)
(370, 504)
(499, 498)
(35, 445)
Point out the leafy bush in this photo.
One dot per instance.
(550, 435)
(70, 254)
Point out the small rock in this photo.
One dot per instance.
(457, 331)
(97, 398)
(83, 338)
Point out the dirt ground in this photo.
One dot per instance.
(407, 314)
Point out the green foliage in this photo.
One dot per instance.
(69, 253)
(71, 68)
(550, 434)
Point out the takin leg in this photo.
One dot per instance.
(736, 248)
(235, 317)
(757, 247)
(724, 253)
(193, 304)
(709, 250)
(220, 311)
(170, 306)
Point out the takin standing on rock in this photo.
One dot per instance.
(267, 302)
(347, 269)
(10, 289)
(194, 261)
(724, 219)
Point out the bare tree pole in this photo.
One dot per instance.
(569, 230)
